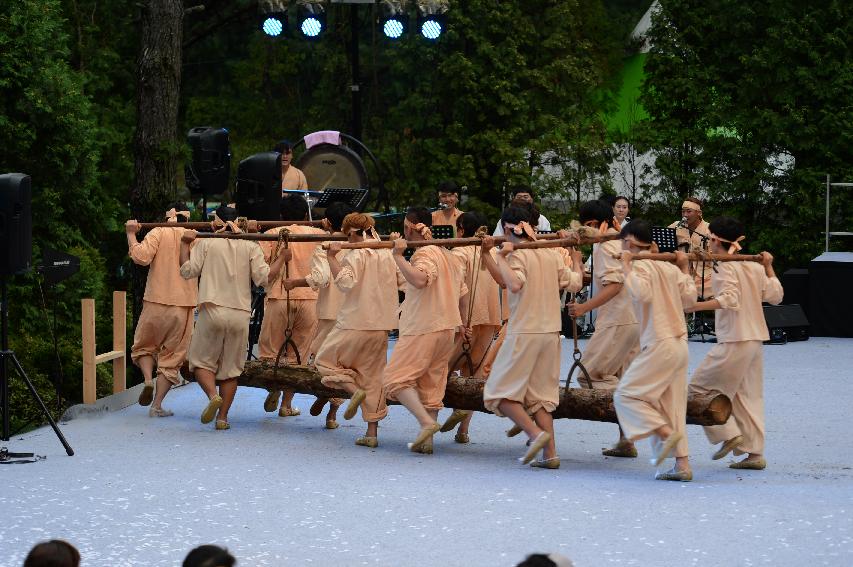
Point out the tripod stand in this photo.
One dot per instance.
(7, 356)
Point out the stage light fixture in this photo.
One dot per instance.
(395, 20)
(312, 19)
(431, 18)
(431, 28)
(393, 28)
(272, 26)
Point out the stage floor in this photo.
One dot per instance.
(284, 491)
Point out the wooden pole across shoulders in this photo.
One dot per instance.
(213, 225)
(547, 241)
(257, 236)
(693, 257)
(292, 237)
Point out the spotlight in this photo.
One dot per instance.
(274, 23)
(431, 28)
(393, 28)
(395, 20)
(312, 19)
(431, 18)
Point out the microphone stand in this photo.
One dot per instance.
(701, 315)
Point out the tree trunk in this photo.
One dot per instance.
(155, 145)
(467, 394)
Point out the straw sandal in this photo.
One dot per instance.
(366, 441)
(727, 447)
(624, 449)
(352, 408)
(212, 407)
(746, 464)
(317, 406)
(146, 396)
(272, 401)
(513, 431)
(424, 434)
(462, 438)
(536, 445)
(288, 412)
(552, 463)
(668, 447)
(457, 417)
(675, 474)
(426, 447)
(222, 425)
(332, 424)
(159, 412)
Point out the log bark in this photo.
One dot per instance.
(467, 394)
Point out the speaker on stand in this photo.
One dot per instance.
(16, 249)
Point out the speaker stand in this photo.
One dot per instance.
(7, 356)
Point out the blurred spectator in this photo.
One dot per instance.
(53, 553)
(209, 556)
(551, 560)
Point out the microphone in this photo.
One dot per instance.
(442, 206)
(683, 223)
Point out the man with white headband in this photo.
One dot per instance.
(448, 198)
(164, 328)
(692, 234)
(227, 267)
(735, 366)
(651, 398)
(524, 384)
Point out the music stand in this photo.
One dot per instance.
(665, 238)
(438, 231)
(353, 197)
(442, 230)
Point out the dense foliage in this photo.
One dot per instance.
(62, 121)
(750, 106)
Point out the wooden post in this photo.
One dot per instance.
(119, 341)
(89, 379)
(118, 355)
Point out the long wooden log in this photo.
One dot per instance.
(467, 394)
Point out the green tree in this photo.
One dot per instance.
(48, 130)
(750, 104)
(504, 86)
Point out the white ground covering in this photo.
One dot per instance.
(284, 491)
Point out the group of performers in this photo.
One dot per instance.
(492, 311)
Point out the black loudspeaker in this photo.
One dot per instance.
(207, 173)
(786, 323)
(16, 223)
(258, 194)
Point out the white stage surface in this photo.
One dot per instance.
(284, 491)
